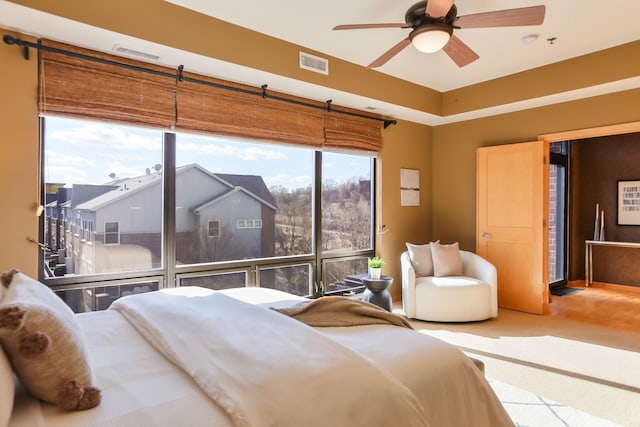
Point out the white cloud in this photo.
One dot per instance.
(242, 153)
(109, 137)
(122, 170)
(56, 158)
(288, 181)
(65, 174)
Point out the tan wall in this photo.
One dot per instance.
(406, 145)
(19, 164)
(454, 152)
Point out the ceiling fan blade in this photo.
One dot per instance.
(533, 15)
(364, 26)
(438, 8)
(382, 59)
(459, 52)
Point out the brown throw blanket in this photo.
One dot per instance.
(341, 311)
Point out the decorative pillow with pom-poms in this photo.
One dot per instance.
(43, 341)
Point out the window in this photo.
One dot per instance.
(108, 175)
(111, 233)
(214, 228)
(243, 185)
(241, 213)
(249, 223)
(347, 219)
(346, 202)
(87, 230)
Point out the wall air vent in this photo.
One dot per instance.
(131, 52)
(314, 63)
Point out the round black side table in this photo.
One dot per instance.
(376, 292)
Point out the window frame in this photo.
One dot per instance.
(111, 233)
(217, 228)
(170, 271)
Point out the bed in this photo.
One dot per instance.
(195, 357)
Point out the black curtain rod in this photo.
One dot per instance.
(179, 76)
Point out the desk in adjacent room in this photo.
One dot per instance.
(588, 255)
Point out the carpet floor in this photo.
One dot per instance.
(530, 410)
(592, 369)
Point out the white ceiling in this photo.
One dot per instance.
(579, 26)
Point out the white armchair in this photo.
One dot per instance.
(470, 297)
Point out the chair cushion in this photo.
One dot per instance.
(421, 259)
(452, 299)
(447, 260)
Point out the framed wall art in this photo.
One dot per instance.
(629, 202)
(409, 187)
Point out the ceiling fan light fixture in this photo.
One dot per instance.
(431, 38)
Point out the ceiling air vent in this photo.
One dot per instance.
(131, 52)
(314, 63)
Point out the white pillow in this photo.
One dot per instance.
(446, 260)
(7, 389)
(44, 342)
(421, 260)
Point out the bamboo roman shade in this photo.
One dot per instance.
(79, 87)
(74, 84)
(342, 130)
(237, 113)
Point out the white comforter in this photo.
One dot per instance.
(266, 369)
(141, 387)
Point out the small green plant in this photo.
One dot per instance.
(375, 262)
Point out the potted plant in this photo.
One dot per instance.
(375, 267)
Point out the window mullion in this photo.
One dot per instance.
(317, 223)
(169, 209)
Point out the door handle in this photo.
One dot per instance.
(485, 234)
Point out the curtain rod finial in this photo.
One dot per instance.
(9, 39)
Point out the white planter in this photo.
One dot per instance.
(375, 272)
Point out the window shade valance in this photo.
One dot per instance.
(78, 87)
(227, 112)
(150, 95)
(355, 132)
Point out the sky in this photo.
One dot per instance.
(86, 152)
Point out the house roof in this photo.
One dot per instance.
(119, 189)
(85, 193)
(223, 196)
(253, 183)
(94, 197)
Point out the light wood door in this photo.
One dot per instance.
(511, 215)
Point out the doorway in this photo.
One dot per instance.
(558, 216)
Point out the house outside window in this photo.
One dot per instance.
(111, 233)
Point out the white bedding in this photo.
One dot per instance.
(141, 387)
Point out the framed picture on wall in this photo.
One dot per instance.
(409, 187)
(629, 202)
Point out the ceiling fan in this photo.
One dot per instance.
(433, 21)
